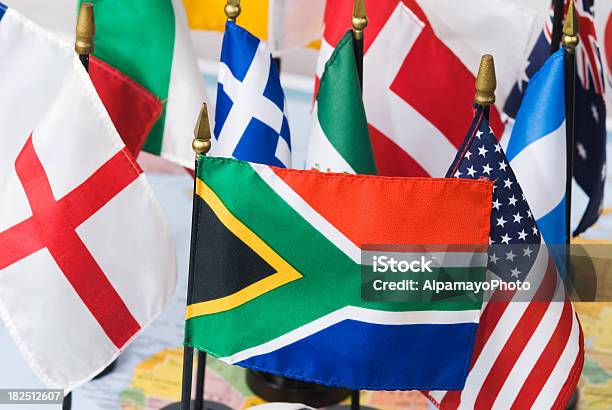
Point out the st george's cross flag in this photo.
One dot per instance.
(529, 348)
(590, 128)
(277, 282)
(86, 259)
(339, 139)
(250, 115)
(149, 41)
(412, 76)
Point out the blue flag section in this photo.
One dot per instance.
(590, 127)
(2, 10)
(250, 117)
(537, 147)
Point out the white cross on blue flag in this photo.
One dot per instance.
(250, 119)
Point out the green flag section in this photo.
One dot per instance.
(339, 140)
(278, 260)
(149, 41)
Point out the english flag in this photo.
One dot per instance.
(86, 259)
(413, 80)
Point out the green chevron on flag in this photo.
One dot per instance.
(277, 274)
(339, 140)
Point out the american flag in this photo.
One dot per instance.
(590, 113)
(527, 354)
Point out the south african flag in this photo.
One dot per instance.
(278, 274)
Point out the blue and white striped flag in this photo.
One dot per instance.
(250, 117)
(537, 148)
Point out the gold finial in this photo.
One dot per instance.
(570, 28)
(485, 82)
(360, 18)
(232, 9)
(85, 30)
(201, 133)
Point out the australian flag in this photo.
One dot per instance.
(590, 115)
(250, 117)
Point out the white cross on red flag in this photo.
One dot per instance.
(86, 259)
(417, 90)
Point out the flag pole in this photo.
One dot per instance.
(557, 25)
(85, 30)
(84, 45)
(570, 41)
(486, 82)
(359, 21)
(201, 145)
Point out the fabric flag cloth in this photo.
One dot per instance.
(277, 283)
(250, 117)
(412, 77)
(529, 351)
(284, 24)
(339, 140)
(82, 238)
(133, 110)
(150, 42)
(537, 148)
(589, 131)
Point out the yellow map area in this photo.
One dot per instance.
(596, 382)
(156, 383)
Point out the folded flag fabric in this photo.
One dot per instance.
(250, 117)
(529, 348)
(82, 238)
(133, 110)
(339, 140)
(277, 283)
(413, 76)
(589, 130)
(149, 41)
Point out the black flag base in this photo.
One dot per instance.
(277, 388)
(210, 405)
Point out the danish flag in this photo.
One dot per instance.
(417, 92)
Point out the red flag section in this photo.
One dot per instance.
(132, 108)
(432, 80)
(462, 217)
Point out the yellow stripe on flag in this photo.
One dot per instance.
(209, 15)
(285, 273)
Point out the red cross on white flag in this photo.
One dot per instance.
(86, 259)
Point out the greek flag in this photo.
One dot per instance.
(537, 146)
(250, 119)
